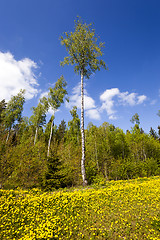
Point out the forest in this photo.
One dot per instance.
(36, 153)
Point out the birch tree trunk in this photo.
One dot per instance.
(83, 171)
(35, 138)
(50, 137)
(8, 135)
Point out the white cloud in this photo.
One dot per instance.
(75, 99)
(89, 103)
(112, 117)
(131, 99)
(93, 114)
(109, 94)
(108, 102)
(141, 99)
(126, 98)
(110, 98)
(113, 96)
(16, 75)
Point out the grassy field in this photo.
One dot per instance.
(117, 210)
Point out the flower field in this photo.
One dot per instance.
(118, 210)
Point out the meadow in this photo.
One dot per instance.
(127, 209)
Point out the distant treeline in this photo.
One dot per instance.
(34, 153)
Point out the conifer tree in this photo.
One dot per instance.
(74, 126)
(61, 131)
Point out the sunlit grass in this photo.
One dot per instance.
(118, 210)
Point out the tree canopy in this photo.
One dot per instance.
(83, 49)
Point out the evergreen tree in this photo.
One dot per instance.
(53, 175)
(61, 131)
(74, 126)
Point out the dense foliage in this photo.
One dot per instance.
(37, 153)
(111, 154)
(118, 210)
(37, 158)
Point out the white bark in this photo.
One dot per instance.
(50, 137)
(8, 136)
(35, 138)
(83, 171)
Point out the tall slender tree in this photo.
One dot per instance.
(84, 53)
(38, 118)
(13, 111)
(55, 99)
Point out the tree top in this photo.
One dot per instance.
(83, 49)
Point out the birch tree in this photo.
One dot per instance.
(84, 53)
(55, 99)
(38, 118)
(13, 111)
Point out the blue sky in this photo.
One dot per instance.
(30, 55)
